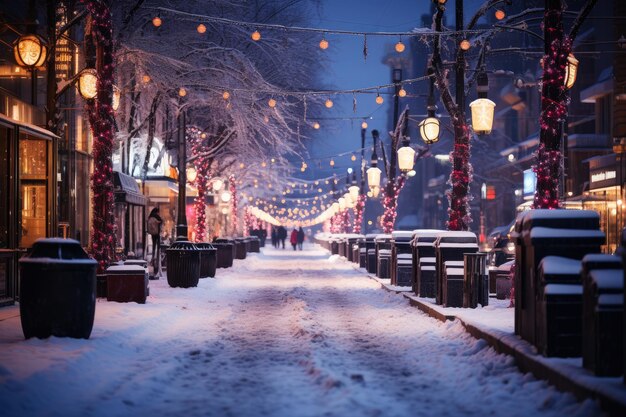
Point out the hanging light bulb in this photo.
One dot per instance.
(353, 158)
(500, 14)
(429, 130)
(217, 184)
(406, 158)
(482, 115)
(256, 35)
(465, 45)
(324, 44)
(201, 28)
(379, 99)
(329, 103)
(402, 92)
(156, 21)
(145, 79)
(400, 47)
(332, 162)
(182, 92)
(354, 192)
(271, 102)
(316, 125)
(225, 95)
(364, 125)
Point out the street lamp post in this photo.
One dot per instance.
(30, 52)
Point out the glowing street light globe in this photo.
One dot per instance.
(364, 125)
(217, 184)
(342, 203)
(429, 130)
(323, 44)
(192, 174)
(88, 83)
(406, 158)
(354, 192)
(226, 196)
(156, 21)
(483, 111)
(30, 51)
(400, 47)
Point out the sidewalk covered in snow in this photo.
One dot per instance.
(282, 333)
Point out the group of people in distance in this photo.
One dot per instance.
(279, 235)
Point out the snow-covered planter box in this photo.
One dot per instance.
(127, 283)
(449, 249)
(603, 304)
(401, 258)
(424, 262)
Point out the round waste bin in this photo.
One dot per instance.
(255, 244)
(208, 260)
(183, 264)
(240, 248)
(57, 290)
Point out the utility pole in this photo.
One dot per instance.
(181, 221)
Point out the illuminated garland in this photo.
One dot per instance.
(359, 208)
(201, 182)
(554, 101)
(345, 221)
(101, 119)
(459, 214)
(233, 203)
(390, 204)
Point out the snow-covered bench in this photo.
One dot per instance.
(424, 262)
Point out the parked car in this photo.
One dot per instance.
(501, 247)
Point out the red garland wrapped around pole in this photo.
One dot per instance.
(553, 107)
(233, 203)
(390, 204)
(201, 182)
(101, 118)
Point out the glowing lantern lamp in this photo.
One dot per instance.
(87, 83)
(30, 51)
(571, 69)
(192, 174)
(400, 47)
(116, 98)
(364, 125)
(429, 130)
(406, 158)
(373, 177)
(156, 21)
(342, 203)
(226, 196)
(482, 115)
(354, 192)
(256, 36)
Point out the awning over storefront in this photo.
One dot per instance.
(126, 190)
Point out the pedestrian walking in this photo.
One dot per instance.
(282, 235)
(274, 237)
(300, 237)
(154, 230)
(294, 238)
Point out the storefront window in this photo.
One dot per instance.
(4, 187)
(33, 194)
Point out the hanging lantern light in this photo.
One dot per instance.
(364, 125)
(225, 95)
(156, 21)
(379, 99)
(465, 45)
(145, 79)
(88, 83)
(400, 47)
(192, 174)
(30, 51)
(353, 158)
(316, 125)
(429, 130)
(217, 184)
(373, 177)
(271, 102)
(402, 92)
(354, 192)
(571, 70)
(324, 44)
(500, 14)
(116, 98)
(329, 103)
(201, 28)
(482, 115)
(482, 108)
(342, 203)
(182, 92)
(256, 36)
(406, 157)
(332, 162)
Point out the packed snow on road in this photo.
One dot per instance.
(282, 333)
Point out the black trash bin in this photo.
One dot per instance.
(255, 244)
(183, 265)
(424, 262)
(225, 252)
(240, 248)
(383, 256)
(370, 253)
(58, 290)
(401, 258)
(450, 247)
(208, 260)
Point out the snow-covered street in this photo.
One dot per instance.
(282, 333)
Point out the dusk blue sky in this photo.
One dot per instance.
(348, 70)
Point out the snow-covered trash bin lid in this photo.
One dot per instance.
(456, 238)
(607, 280)
(123, 269)
(600, 261)
(560, 219)
(570, 237)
